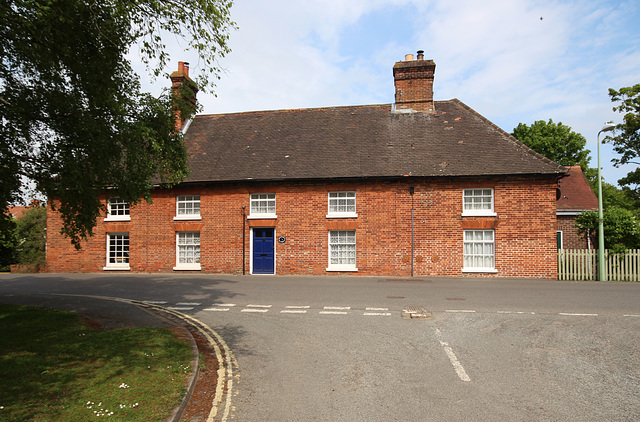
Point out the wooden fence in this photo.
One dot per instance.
(582, 264)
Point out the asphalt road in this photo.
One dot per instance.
(339, 349)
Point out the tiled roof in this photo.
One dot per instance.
(575, 192)
(355, 142)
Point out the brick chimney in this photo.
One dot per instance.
(414, 83)
(184, 91)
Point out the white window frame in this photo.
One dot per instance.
(122, 256)
(470, 251)
(333, 248)
(474, 208)
(185, 200)
(341, 199)
(118, 210)
(257, 201)
(191, 266)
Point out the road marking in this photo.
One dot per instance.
(155, 302)
(333, 312)
(377, 314)
(338, 308)
(457, 366)
(570, 314)
(635, 316)
(254, 310)
(293, 311)
(516, 312)
(224, 304)
(259, 306)
(188, 303)
(463, 311)
(216, 309)
(298, 307)
(180, 308)
(376, 309)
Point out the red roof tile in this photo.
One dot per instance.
(575, 192)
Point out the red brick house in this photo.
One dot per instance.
(421, 187)
(575, 197)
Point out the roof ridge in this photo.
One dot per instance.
(291, 110)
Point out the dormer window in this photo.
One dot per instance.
(118, 210)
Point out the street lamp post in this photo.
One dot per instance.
(601, 268)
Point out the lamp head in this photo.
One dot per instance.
(607, 127)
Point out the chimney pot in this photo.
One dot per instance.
(420, 54)
(408, 57)
(186, 68)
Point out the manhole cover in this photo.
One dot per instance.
(415, 312)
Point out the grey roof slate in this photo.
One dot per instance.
(355, 142)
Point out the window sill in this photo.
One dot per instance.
(262, 217)
(113, 268)
(480, 270)
(343, 268)
(187, 217)
(354, 215)
(478, 214)
(195, 267)
(118, 218)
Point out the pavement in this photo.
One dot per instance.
(111, 314)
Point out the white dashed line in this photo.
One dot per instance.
(338, 308)
(634, 316)
(217, 309)
(297, 307)
(293, 311)
(376, 309)
(179, 308)
(457, 366)
(570, 314)
(155, 302)
(516, 312)
(462, 311)
(377, 314)
(333, 312)
(254, 310)
(259, 306)
(188, 304)
(224, 305)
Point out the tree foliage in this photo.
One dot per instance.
(7, 241)
(554, 141)
(621, 228)
(626, 141)
(72, 115)
(30, 234)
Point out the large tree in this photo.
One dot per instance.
(555, 141)
(626, 141)
(73, 118)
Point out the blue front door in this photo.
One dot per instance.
(263, 251)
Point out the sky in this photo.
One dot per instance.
(513, 61)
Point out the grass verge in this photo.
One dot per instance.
(53, 366)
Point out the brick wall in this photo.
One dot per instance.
(525, 229)
(570, 237)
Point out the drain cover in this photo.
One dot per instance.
(415, 312)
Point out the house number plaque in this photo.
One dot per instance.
(282, 239)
